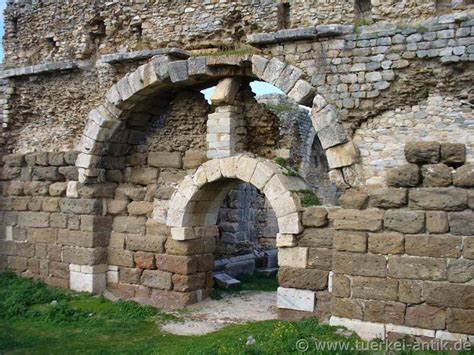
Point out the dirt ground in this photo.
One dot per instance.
(211, 315)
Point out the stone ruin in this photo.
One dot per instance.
(118, 175)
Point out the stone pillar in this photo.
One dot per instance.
(225, 127)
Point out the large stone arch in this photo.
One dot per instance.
(196, 202)
(105, 134)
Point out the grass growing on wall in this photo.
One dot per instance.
(288, 170)
(39, 319)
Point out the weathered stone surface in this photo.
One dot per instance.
(145, 243)
(468, 249)
(140, 208)
(120, 257)
(442, 246)
(460, 321)
(84, 256)
(418, 268)
(464, 176)
(225, 91)
(33, 219)
(386, 243)
(144, 260)
(436, 175)
(309, 279)
(447, 199)
(460, 270)
(342, 155)
(384, 312)
(410, 291)
(186, 247)
(404, 221)
(328, 126)
(453, 154)
(293, 257)
(320, 258)
(144, 176)
(437, 222)
(315, 217)
(192, 159)
(301, 300)
(317, 238)
(130, 275)
(347, 307)
(374, 288)
(350, 241)
(80, 206)
(422, 152)
(359, 264)
(157, 279)
(388, 198)
(447, 294)
(165, 159)
(404, 176)
(58, 189)
(341, 285)
(461, 223)
(365, 220)
(354, 199)
(124, 224)
(178, 264)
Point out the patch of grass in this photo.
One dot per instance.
(308, 198)
(359, 22)
(288, 170)
(422, 29)
(235, 50)
(87, 324)
(255, 282)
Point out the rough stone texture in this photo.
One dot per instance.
(461, 223)
(388, 198)
(464, 176)
(405, 221)
(449, 199)
(302, 278)
(436, 175)
(354, 199)
(359, 264)
(386, 243)
(453, 154)
(315, 217)
(404, 176)
(350, 241)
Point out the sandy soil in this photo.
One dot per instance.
(211, 315)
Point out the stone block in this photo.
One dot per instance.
(359, 264)
(404, 221)
(58, 189)
(42, 235)
(186, 247)
(83, 256)
(317, 238)
(410, 291)
(300, 300)
(290, 224)
(165, 159)
(445, 294)
(422, 152)
(120, 257)
(441, 246)
(308, 279)
(80, 206)
(342, 155)
(69, 172)
(366, 330)
(417, 268)
(328, 126)
(374, 288)
(87, 282)
(453, 154)
(350, 241)
(354, 199)
(138, 242)
(302, 92)
(460, 320)
(320, 258)
(436, 175)
(464, 176)
(89, 191)
(365, 220)
(404, 176)
(137, 208)
(124, 224)
(293, 257)
(157, 279)
(437, 222)
(461, 223)
(447, 199)
(386, 243)
(129, 275)
(179, 264)
(460, 270)
(225, 91)
(258, 65)
(384, 312)
(315, 217)
(33, 219)
(48, 173)
(286, 240)
(347, 307)
(144, 176)
(193, 159)
(340, 285)
(191, 282)
(172, 299)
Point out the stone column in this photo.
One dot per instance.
(225, 127)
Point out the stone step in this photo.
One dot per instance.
(225, 281)
(268, 271)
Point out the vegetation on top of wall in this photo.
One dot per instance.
(288, 170)
(279, 108)
(308, 198)
(238, 49)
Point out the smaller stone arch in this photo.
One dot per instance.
(196, 201)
